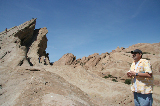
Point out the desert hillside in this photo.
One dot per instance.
(27, 78)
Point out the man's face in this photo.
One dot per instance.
(136, 56)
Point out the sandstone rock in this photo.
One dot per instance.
(120, 59)
(101, 91)
(93, 61)
(25, 80)
(47, 61)
(22, 43)
(38, 47)
(39, 88)
(119, 49)
(66, 59)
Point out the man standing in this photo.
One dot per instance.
(141, 79)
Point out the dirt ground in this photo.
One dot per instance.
(156, 89)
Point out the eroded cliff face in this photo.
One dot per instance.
(22, 45)
(37, 48)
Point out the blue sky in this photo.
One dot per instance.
(84, 27)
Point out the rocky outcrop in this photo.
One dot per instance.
(66, 59)
(22, 44)
(118, 62)
(37, 48)
(24, 80)
(118, 49)
(36, 86)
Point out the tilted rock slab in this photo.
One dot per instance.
(22, 44)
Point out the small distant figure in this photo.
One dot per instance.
(6, 30)
(44, 61)
(39, 59)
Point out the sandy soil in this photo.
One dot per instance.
(156, 89)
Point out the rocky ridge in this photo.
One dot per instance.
(25, 80)
(117, 62)
(23, 45)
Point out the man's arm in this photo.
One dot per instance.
(146, 75)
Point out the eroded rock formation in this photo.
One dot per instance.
(25, 80)
(66, 59)
(22, 44)
(117, 62)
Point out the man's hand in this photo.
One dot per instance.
(131, 73)
(128, 74)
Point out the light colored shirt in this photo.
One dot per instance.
(141, 84)
(135, 85)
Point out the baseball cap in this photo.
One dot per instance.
(136, 51)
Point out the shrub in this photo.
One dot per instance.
(127, 81)
(110, 76)
(114, 80)
(146, 53)
(146, 58)
(129, 63)
(105, 77)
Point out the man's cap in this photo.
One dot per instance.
(136, 51)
